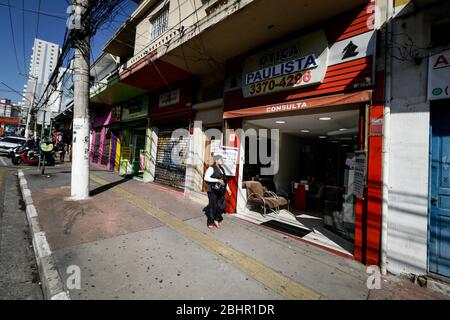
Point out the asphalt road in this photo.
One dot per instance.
(19, 278)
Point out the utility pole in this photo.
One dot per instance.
(80, 142)
(43, 125)
(45, 115)
(35, 126)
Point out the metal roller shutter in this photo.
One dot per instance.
(167, 172)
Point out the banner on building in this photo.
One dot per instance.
(439, 76)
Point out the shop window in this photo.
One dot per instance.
(159, 23)
(252, 169)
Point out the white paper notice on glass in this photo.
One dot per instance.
(215, 146)
(360, 173)
(230, 160)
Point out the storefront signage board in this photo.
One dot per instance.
(338, 99)
(136, 109)
(439, 76)
(169, 98)
(297, 63)
(126, 153)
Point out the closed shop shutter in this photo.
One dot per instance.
(96, 145)
(106, 148)
(169, 170)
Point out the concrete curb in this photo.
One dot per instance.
(52, 283)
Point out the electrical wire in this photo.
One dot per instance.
(52, 15)
(23, 36)
(95, 15)
(38, 19)
(13, 37)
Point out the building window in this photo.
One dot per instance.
(159, 23)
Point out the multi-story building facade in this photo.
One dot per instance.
(192, 73)
(43, 63)
(322, 83)
(417, 139)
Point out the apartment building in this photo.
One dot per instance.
(42, 64)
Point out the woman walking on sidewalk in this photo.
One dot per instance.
(216, 185)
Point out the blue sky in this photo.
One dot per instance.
(50, 29)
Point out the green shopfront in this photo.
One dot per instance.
(134, 124)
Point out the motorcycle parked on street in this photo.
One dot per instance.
(44, 155)
(24, 154)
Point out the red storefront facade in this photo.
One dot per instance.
(349, 79)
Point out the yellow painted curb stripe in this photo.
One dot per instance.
(270, 278)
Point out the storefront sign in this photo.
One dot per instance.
(439, 76)
(376, 127)
(126, 153)
(169, 98)
(116, 113)
(357, 47)
(360, 173)
(295, 64)
(136, 109)
(337, 99)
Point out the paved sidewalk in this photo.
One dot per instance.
(144, 241)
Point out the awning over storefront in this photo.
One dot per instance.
(152, 75)
(296, 105)
(113, 92)
(65, 114)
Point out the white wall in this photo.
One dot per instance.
(408, 187)
(194, 163)
(407, 217)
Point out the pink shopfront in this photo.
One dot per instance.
(105, 136)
